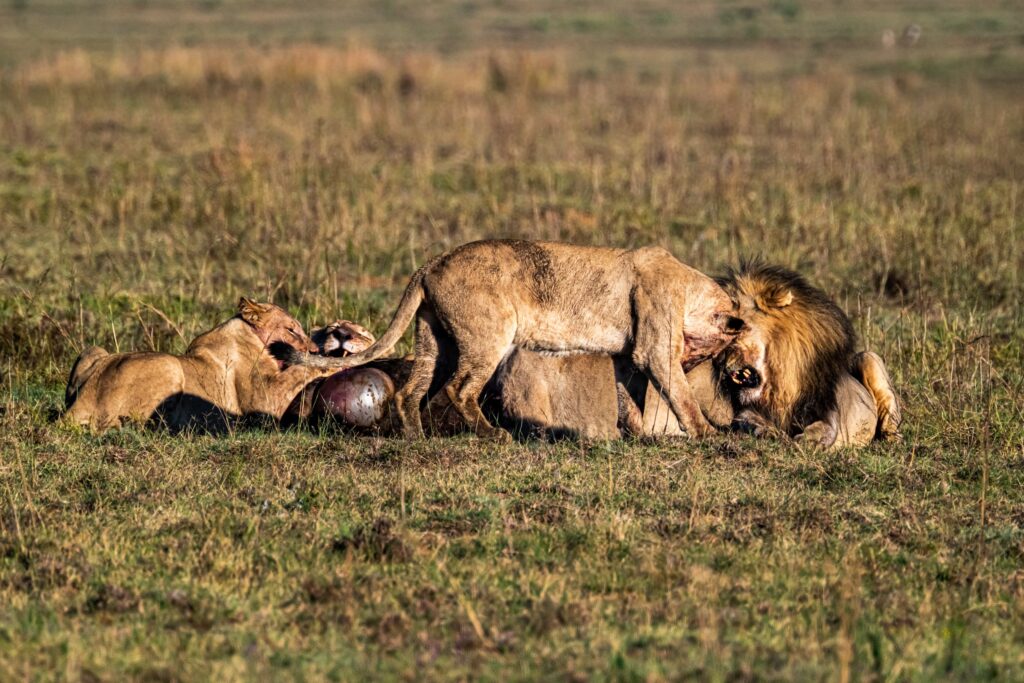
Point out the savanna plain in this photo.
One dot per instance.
(158, 160)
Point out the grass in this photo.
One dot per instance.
(150, 176)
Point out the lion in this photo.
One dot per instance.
(341, 338)
(478, 302)
(226, 373)
(792, 369)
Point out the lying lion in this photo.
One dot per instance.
(478, 302)
(793, 368)
(225, 373)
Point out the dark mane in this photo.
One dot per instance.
(813, 340)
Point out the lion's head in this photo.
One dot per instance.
(795, 346)
(342, 338)
(273, 325)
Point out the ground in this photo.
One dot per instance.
(158, 160)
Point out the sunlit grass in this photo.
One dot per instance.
(143, 190)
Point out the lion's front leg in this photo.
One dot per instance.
(670, 381)
(749, 421)
(273, 396)
(659, 349)
(822, 434)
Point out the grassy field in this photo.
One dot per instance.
(159, 160)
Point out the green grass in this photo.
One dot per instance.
(176, 163)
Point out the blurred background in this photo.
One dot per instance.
(160, 159)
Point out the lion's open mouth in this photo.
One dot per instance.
(746, 377)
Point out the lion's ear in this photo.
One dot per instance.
(779, 298)
(249, 310)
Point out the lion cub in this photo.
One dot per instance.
(479, 302)
(225, 373)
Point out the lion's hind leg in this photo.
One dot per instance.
(869, 369)
(425, 366)
(465, 388)
(479, 357)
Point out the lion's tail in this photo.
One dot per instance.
(407, 307)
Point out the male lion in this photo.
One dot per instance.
(225, 373)
(477, 303)
(793, 368)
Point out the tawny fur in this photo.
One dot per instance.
(561, 396)
(477, 303)
(814, 387)
(795, 336)
(226, 373)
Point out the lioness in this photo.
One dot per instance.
(225, 373)
(480, 301)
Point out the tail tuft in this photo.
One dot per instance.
(286, 353)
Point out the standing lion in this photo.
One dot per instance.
(476, 304)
